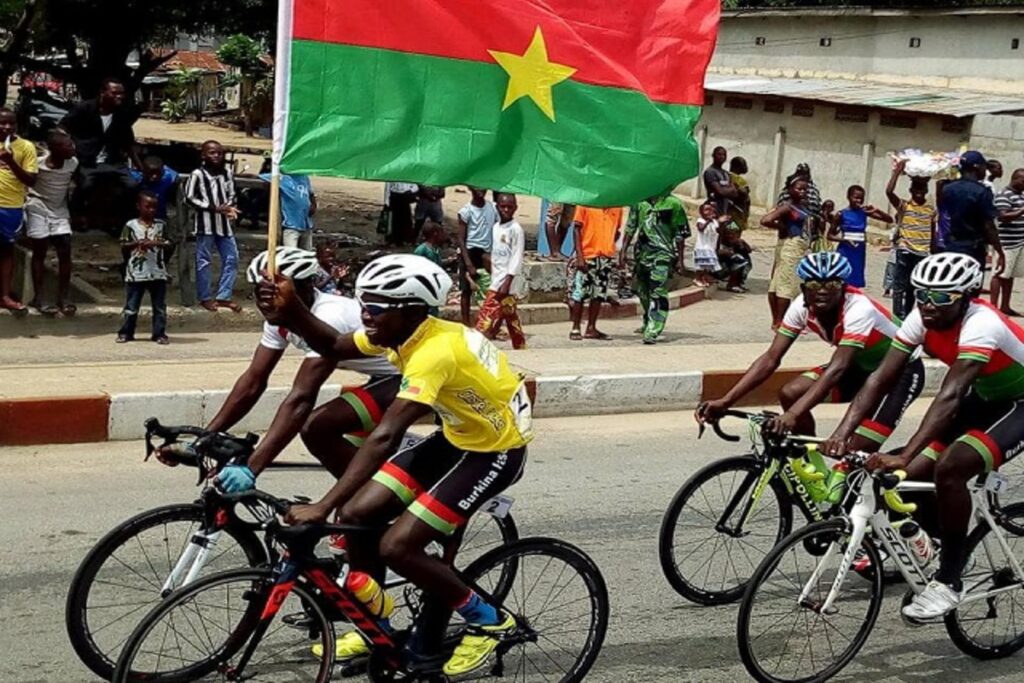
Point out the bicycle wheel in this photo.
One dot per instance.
(560, 593)
(783, 639)
(483, 533)
(993, 627)
(1001, 502)
(711, 566)
(203, 631)
(122, 576)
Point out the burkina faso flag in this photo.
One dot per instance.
(585, 101)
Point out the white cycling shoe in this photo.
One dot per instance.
(935, 601)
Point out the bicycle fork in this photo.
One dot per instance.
(191, 561)
(748, 501)
(860, 516)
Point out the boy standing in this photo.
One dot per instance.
(211, 191)
(47, 220)
(508, 246)
(476, 226)
(298, 206)
(428, 207)
(18, 168)
(434, 238)
(146, 271)
(595, 234)
(660, 226)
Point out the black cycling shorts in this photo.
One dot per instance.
(444, 485)
(995, 429)
(880, 425)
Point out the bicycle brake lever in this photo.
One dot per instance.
(701, 427)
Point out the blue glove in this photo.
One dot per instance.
(235, 479)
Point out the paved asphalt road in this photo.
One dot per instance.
(601, 482)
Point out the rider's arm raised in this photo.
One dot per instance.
(293, 411)
(248, 388)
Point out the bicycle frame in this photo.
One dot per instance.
(867, 516)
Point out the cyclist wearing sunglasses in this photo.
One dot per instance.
(331, 432)
(976, 421)
(861, 331)
(435, 486)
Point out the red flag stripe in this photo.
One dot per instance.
(658, 47)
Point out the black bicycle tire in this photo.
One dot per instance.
(767, 566)
(952, 620)
(122, 672)
(586, 568)
(76, 604)
(666, 535)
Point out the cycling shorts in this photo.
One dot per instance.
(443, 485)
(995, 429)
(881, 424)
(369, 401)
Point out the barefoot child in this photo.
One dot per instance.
(48, 222)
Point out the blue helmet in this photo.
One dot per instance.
(824, 265)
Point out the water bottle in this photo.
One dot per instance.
(918, 541)
(836, 482)
(369, 592)
(812, 471)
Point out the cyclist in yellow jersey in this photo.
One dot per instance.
(435, 486)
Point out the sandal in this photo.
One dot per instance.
(122, 339)
(600, 336)
(230, 305)
(49, 311)
(67, 310)
(575, 335)
(162, 341)
(209, 305)
(14, 306)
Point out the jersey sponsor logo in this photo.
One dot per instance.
(483, 408)
(481, 347)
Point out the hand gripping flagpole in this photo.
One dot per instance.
(282, 73)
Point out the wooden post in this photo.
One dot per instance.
(273, 222)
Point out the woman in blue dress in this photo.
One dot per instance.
(849, 228)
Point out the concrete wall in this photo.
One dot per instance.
(971, 52)
(840, 153)
(1000, 136)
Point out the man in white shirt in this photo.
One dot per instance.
(476, 226)
(334, 431)
(508, 245)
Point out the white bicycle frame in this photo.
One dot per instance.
(868, 516)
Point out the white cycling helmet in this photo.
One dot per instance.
(298, 264)
(405, 277)
(948, 272)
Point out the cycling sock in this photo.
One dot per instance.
(474, 610)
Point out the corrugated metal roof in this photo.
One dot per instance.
(943, 101)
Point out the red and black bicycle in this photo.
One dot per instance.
(239, 625)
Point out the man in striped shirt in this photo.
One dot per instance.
(1010, 222)
(211, 193)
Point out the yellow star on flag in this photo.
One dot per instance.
(532, 75)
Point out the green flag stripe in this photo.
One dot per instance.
(383, 115)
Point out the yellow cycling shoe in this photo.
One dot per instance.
(473, 651)
(349, 646)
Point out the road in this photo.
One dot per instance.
(601, 482)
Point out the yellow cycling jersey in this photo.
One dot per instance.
(456, 370)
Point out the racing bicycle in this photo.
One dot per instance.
(227, 626)
(145, 558)
(806, 613)
(731, 513)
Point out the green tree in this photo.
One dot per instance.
(253, 78)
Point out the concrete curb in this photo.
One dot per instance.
(103, 417)
(100, 319)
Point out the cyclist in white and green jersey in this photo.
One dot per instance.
(976, 421)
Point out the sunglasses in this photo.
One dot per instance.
(380, 309)
(827, 285)
(937, 298)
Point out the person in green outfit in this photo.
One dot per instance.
(660, 226)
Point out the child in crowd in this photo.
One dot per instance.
(705, 248)
(48, 221)
(332, 269)
(476, 226)
(160, 179)
(849, 229)
(211, 192)
(146, 271)
(734, 255)
(434, 238)
(508, 246)
(18, 169)
(298, 206)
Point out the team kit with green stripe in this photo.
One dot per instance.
(869, 327)
(991, 417)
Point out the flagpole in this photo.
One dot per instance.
(282, 70)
